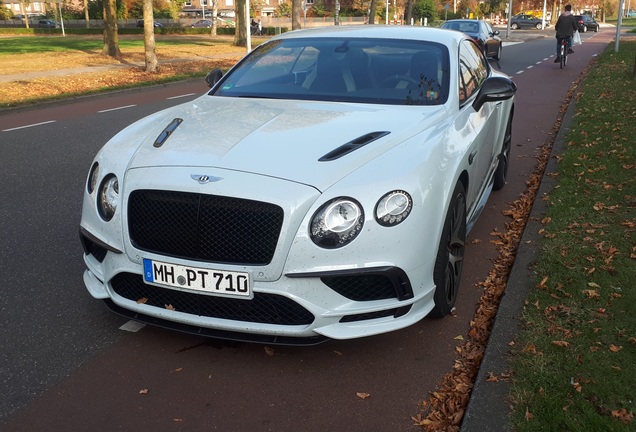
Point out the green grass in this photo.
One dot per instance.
(47, 44)
(586, 274)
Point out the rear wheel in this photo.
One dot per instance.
(584, 29)
(450, 255)
(501, 173)
(564, 55)
(538, 26)
(514, 26)
(497, 55)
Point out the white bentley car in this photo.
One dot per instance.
(323, 188)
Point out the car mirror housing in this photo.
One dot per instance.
(213, 77)
(494, 89)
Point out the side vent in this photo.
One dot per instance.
(352, 145)
(163, 136)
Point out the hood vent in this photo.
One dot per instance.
(163, 136)
(353, 145)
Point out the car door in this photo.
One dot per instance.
(482, 130)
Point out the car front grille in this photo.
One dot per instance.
(204, 227)
(263, 308)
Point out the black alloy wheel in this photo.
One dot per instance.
(450, 255)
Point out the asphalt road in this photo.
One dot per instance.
(65, 364)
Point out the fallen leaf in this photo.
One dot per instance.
(143, 391)
(269, 351)
(460, 337)
(623, 416)
(614, 348)
(529, 415)
(169, 307)
(591, 293)
(362, 395)
(142, 300)
(561, 343)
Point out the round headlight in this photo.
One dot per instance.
(393, 208)
(108, 197)
(92, 178)
(337, 223)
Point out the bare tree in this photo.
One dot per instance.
(296, 9)
(111, 37)
(240, 35)
(150, 52)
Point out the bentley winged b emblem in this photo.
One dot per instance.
(204, 178)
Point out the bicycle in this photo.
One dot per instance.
(564, 53)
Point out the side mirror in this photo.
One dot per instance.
(213, 77)
(495, 33)
(494, 89)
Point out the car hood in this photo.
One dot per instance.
(276, 138)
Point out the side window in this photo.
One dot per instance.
(473, 70)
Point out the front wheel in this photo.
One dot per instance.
(450, 255)
(514, 26)
(584, 29)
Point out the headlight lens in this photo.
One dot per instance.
(393, 208)
(108, 197)
(337, 223)
(92, 178)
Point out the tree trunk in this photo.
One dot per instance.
(372, 11)
(86, 17)
(111, 37)
(240, 35)
(150, 52)
(215, 14)
(409, 12)
(296, 9)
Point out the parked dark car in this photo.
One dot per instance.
(48, 24)
(481, 32)
(206, 23)
(140, 24)
(526, 21)
(585, 23)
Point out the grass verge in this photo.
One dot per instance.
(180, 57)
(575, 362)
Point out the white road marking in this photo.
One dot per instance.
(115, 109)
(28, 126)
(180, 96)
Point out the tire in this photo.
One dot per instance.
(596, 29)
(497, 55)
(501, 173)
(584, 29)
(538, 26)
(514, 26)
(450, 255)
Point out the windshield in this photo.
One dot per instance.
(381, 71)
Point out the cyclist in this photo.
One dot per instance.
(565, 28)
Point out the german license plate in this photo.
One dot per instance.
(221, 282)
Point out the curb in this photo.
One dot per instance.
(489, 406)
